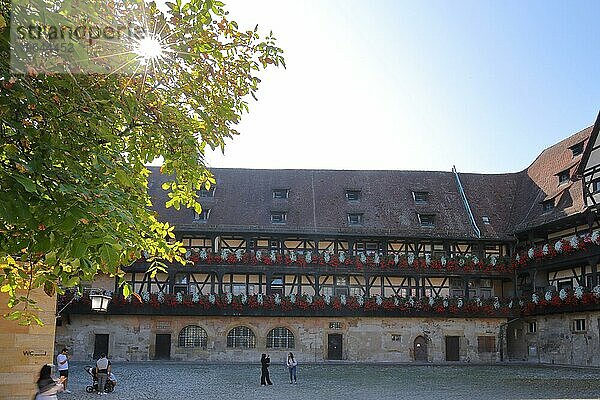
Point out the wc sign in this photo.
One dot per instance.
(34, 353)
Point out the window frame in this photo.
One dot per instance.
(420, 196)
(355, 193)
(486, 344)
(359, 219)
(203, 216)
(564, 177)
(235, 338)
(423, 220)
(282, 214)
(200, 337)
(281, 335)
(548, 206)
(285, 194)
(579, 325)
(577, 149)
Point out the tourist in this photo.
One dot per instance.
(103, 368)
(63, 366)
(48, 387)
(291, 364)
(265, 361)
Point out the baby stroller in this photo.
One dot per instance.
(108, 387)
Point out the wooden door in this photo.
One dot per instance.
(100, 345)
(334, 346)
(420, 349)
(452, 348)
(163, 347)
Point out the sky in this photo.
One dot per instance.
(419, 85)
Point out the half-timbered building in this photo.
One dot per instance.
(386, 266)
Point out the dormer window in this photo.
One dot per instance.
(353, 195)
(278, 217)
(486, 220)
(203, 216)
(427, 220)
(595, 186)
(207, 192)
(577, 149)
(421, 197)
(355, 219)
(548, 205)
(563, 177)
(281, 193)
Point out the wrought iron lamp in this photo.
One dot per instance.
(100, 301)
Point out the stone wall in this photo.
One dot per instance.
(558, 339)
(25, 349)
(364, 339)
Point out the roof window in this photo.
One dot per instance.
(427, 220)
(353, 195)
(421, 197)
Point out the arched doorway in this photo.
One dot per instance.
(420, 349)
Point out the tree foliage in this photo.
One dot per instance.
(73, 150)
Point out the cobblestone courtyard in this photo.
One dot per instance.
(351, 381)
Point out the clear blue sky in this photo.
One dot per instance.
(419, 85)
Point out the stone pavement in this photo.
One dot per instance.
(164, 380)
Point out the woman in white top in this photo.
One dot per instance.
(48, 387)
(291, 364)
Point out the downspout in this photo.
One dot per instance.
(466, 202)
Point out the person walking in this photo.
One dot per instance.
(265, 361)
(291, 364)
(47, 386)
(62, 360)
(103, 369)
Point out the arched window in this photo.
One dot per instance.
(192, 336)
(280, 338)
(241, 337)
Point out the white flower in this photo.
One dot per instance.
(243, 298)
(443, 261)
(579, 292)
(224, 254)
(326, 257)
(239, 254)
(396, 301)
(574, 242)
(517, 257)
(378, 299)
(427, 259)
(475, 260)
(530, 253)
(342, 257)
(229, 298)
(258, 255)
(188, 254)
(308, 257)
(510, 305)
(461, 262)
(128, 299)
(327, 299)
(376, 259)
(411, 301)
(562, 294)
(360, 300)
(161, 297)
(196, 298)
(493, 260)
(343, 299)
(445, 303)
(212, 299)
(259, 298)
(459, 303)
(410, 259)
(596, 291)
(293, 256)
(363, 257)
(558, 246)
(277, 299)
(548, 295)
(431, 301)
(521, 302)
(595, 237)
(396, 259)
(478, 302)
(273, 256)
(145, 296)
(535, 298)
(309, 298)
(496, 303)
(203, 254)
(293, 298)
(545, 249)
(179, 297)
